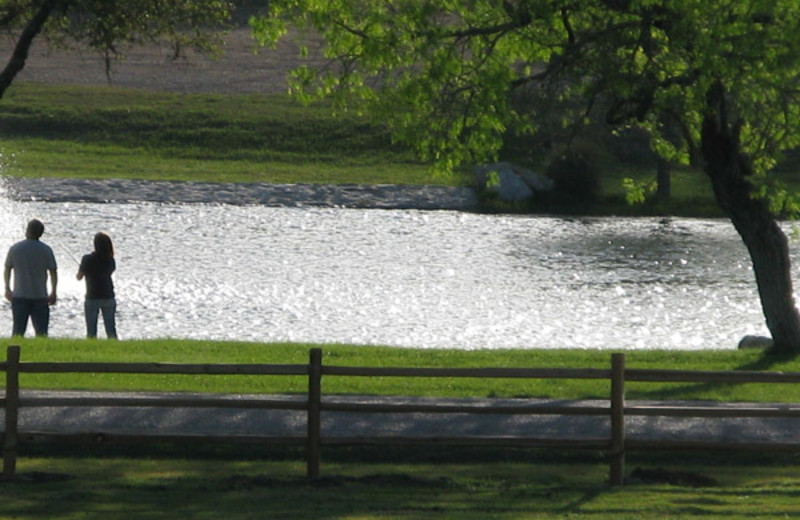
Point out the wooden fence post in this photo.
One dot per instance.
(617, 476)
(314, 419)
(11, 413)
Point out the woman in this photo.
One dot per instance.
(97, 267)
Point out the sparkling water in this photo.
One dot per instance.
(431, 279)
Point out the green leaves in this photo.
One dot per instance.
(442, 74)
(637, 192)
(268, 30)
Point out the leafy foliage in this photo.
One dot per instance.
(442, 73)
(637, 192)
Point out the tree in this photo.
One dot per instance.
(106, 26)
(444, 74)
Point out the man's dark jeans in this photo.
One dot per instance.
(37, 309)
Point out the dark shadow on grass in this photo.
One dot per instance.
(250, 482)
(203, 135)
(586, 498)
(199, 450)
(764, 363)
(374, 493)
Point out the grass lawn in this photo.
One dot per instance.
(187, 351)
(206, 481)
(203, 480)
(102, 132)
(370, 485)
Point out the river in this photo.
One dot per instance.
(429, 279)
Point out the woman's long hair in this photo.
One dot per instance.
(103, 246)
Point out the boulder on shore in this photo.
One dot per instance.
(510, 182)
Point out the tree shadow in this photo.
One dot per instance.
(765, 362)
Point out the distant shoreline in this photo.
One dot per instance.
(278, 195)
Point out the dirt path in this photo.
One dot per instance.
(283, 422)
(240, 69)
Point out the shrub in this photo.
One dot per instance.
(577, 176)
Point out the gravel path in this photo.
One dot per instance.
(233, 421)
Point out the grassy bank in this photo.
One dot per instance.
(186, 351)
(102, 132)
(110, 132)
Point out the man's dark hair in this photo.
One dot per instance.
(35, 229)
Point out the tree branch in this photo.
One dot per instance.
(9, 17)
(572, 47)
(635, 107)
(521, 21)
(20, 54)
(351, 30)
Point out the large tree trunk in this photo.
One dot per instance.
(728, 169)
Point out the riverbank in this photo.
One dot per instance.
(267, 194)
(55, 129)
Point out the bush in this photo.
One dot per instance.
(577, 176)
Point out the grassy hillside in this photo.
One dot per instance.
(97, 132)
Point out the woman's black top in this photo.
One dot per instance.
(97, 271)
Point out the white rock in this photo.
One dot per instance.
(535, 181)
(509, 186)
(515, 183)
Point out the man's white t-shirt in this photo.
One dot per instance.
(31, 260)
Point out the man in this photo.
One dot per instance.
(31, 260)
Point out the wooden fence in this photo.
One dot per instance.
(616, 444)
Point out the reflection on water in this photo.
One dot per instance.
(406, 278)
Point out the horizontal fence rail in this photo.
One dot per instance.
(159, 368)
(614, 407)
(486, 373)
(709, 376)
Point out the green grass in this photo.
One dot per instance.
(101, 132)
(188, 351)
(367, 484)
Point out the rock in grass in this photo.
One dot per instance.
(750, 341)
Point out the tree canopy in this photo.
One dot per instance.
(446, 73)
(452, 76)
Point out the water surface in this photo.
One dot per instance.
(431, 279)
